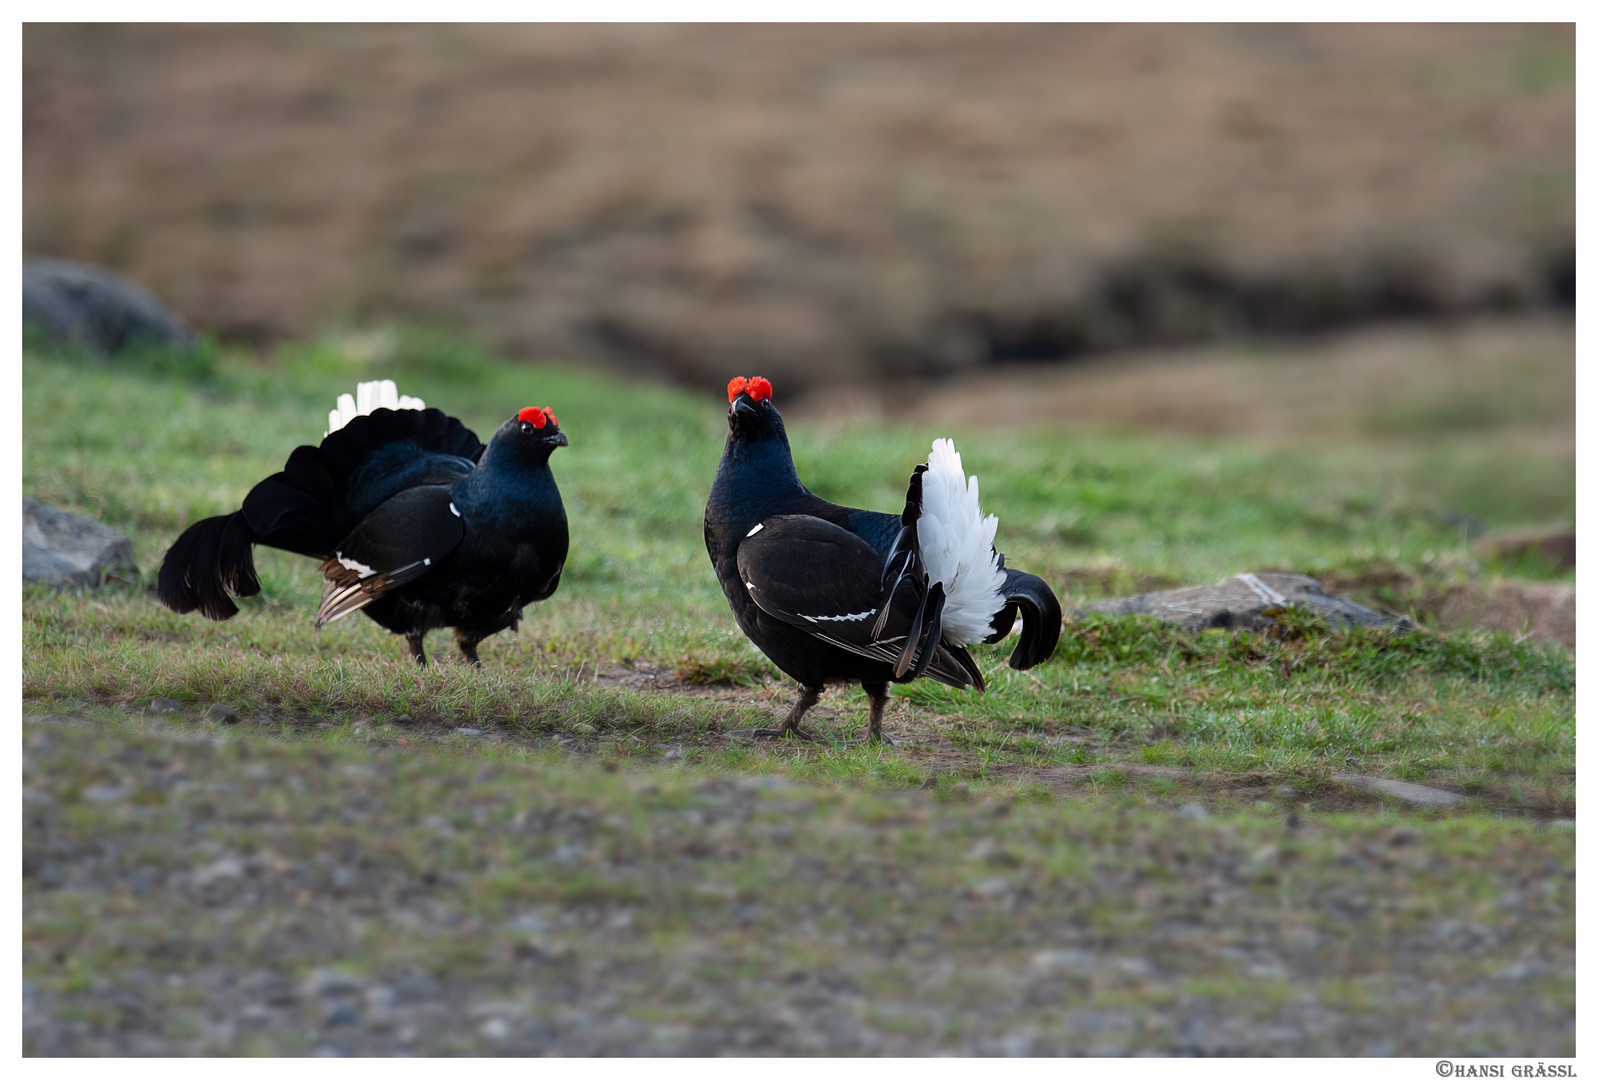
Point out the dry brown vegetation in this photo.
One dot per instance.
(1514, 377)
(813, 202)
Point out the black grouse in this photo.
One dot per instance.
(416, 522)
(834, 594)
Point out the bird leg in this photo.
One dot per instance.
(878, 693)
(415, 643)
(808, 696)
(468, 647)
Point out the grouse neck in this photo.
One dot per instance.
(509, 480)
(756, 479)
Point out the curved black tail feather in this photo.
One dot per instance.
(1031, 598)
(212, 558)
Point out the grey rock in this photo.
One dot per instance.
(224, 713)
(1192, 811)
(1246, 602)
(68, 550)
(1413, 794)
(165, 704)
(88, 306)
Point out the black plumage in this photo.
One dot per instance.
(416, 523)
(836, 594)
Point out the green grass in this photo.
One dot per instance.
(595, 858)
(149, 447)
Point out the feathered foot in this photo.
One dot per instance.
(414, 642)
(808, 696)
(468, 647)
(878, 693)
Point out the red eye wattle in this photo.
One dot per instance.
(532, 416)
(759, 388)
(735, 387)
(551, 414)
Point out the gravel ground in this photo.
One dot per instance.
(189, 894)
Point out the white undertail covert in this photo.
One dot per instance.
(957, 546)
(381, 394)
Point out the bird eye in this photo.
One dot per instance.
(527, 429)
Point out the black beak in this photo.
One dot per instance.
(743, 404)
(558, 439)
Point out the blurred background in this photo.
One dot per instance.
(831, 206)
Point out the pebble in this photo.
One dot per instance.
(417, 988)
(105, 794)
(221, 713)
(226, 868)
(1522, 972)
(991, 888)
(1192, 811)
(273, 989)
(1075, 961)
(325, 983)
(165, 704)
(468, 731)
(342, 1015)
(764, 783)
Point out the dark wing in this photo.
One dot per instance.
(827, 581)
(397, 542)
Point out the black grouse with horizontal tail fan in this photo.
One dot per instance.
(416, 523)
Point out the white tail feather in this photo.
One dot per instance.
(957, 547)
(368, 396)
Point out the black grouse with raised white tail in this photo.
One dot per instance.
(416, 522)
(834, 594)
